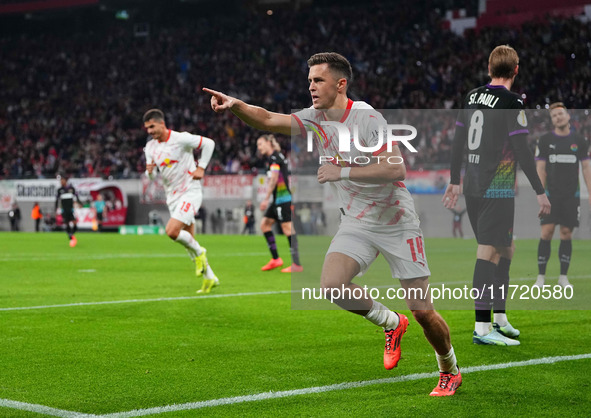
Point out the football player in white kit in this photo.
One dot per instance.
(378, 212)
(171, 153)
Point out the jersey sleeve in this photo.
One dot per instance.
(301, 118)
(542, 149)
(207, 148)
(149, 158)
(458, 145)
(516, 119)
(190, 141)
(148, 153)
(274, 164)
(583, 151)
(518, 130)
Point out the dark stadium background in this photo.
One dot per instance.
(74, 80)
(113, 325)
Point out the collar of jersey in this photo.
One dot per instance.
(346, 114)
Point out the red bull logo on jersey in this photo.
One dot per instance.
(168, 162)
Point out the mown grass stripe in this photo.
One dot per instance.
(335, 387)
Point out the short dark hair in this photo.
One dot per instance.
(155, 114)
(336, 63)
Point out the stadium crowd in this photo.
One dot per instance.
(74, 103)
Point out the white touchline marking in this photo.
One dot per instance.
(26, 257)
(228, 295)
(42, 409)
(335, 387)
(87, 271)
(115, 302)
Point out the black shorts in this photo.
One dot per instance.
(281, 213)
(492, 220)
(68, 216)
(99, 216)
(565, 211)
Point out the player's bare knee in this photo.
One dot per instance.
(172, 232)
(286, 228)
(327, 284)
(332, 283)
(266, 225)
(566, 233)
(505, 252)
(547, 232)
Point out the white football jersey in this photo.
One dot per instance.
(175, 161)
(379, 204)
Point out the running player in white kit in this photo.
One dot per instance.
(378, 212)
(171, 153)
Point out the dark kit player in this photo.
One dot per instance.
(65, 198)
(557, 160)
(280, 209)
(493, 125)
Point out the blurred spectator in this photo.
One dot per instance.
(456, 228)
(248, 218)
(14, 215)
(155, 218)
(318, 219)
(72, 102)
(99, 207)
(36, 215)
(217, 222)
(202, 218)
(306, 219)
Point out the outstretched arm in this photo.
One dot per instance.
(255, 116)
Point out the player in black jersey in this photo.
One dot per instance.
(557, 160)
(280, 209)
(493, 125)
(65, 198)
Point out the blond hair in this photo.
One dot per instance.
(502, 62)
(557, 105)
(271, 138)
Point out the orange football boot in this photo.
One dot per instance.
(294, 268)
(273, 264)
(448, 384)
(393, 337)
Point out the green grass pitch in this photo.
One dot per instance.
(162, 345)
